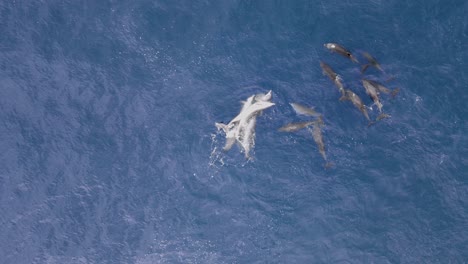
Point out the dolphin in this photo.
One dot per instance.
(382, 116)
(373, 92)
(379, 86)
(317, 135)
(357, 102)
(291, 127)
(372, 62)
(260, 97)
(263, 97)
(303, 110)
(230, 135)
(247, 103)
(384, 89)
(253, 109)
(247, 136)
(336, 79)
(241, 129)
(340, 50)
(245, 132)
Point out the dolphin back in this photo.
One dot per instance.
(303, 110)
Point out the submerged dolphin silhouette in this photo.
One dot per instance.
(372, 62)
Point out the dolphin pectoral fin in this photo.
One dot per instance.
(364, 68)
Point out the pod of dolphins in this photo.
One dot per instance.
(372, 88)
(241, 129)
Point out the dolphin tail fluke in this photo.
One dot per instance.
(395, 92)
(328, 165)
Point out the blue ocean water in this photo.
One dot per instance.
(110, 153)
